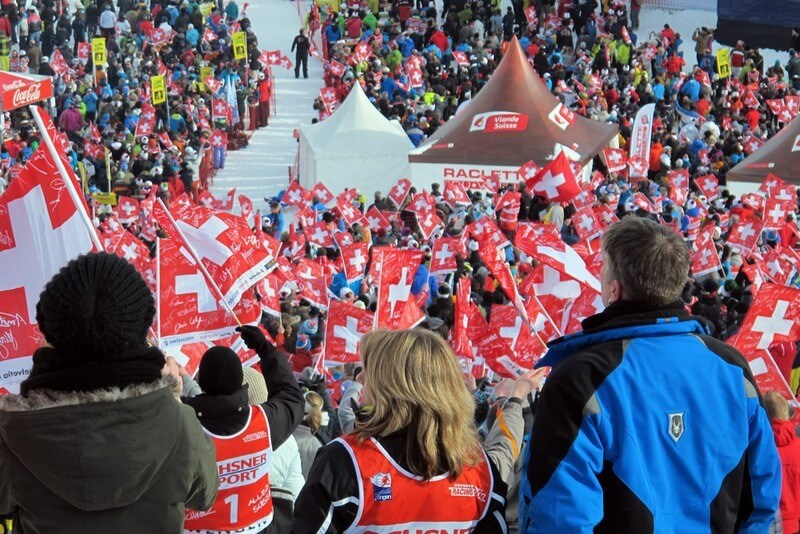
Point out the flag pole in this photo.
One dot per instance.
(62, 170)
(158, 290)
(200, 265)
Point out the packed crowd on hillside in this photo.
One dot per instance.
(401, 412)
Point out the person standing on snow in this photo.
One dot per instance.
(627, 435)
(301, 46)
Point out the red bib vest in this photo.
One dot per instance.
(244, 501)
(394, 501)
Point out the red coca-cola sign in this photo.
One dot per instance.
(19, 93)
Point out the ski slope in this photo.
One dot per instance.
(262, 168)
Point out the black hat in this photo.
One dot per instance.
(95, 314)
(220, 372)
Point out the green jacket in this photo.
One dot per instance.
(126, 461)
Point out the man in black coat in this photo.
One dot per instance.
(300, 47)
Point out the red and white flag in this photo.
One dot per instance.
(531, 16)
(318, 234)
(41, 230)
(526, 346)
(744, 235)
(460, 342)
(376, 220)
(349, 213)
(398, 193)
(586, 224)
(549, 249)
(324, 195)
(491, 346)
(775, 213)
(704, 257)
(337, 69)
(774, 317)
(225, 203)
(189, 307)
(427, 222)
(229, 250)
(507, 207)
(314, 281)
(443, 255)
(147, 120)
(708, 185)
(752, 143)
(344, 329)
(268, 294)
(455, 194)
(422, 202)
(296, 195)
(354, 259)
(616, 159)
(780, 265)
(556, 181)
(528, 172)
(127, 209)
(396, 308)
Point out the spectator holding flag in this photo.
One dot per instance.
(622, 438)
(97, 441)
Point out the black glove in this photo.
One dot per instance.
(253, 338)
(321, 386)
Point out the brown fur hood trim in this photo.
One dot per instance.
(44, 398)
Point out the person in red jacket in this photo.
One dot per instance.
(789, 450)
(264, 94)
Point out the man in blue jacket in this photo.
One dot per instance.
(646, 423)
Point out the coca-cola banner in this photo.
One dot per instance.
(21, 90)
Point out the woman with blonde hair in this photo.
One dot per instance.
(414, 460)
(308, 442)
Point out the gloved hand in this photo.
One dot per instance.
(253, 337)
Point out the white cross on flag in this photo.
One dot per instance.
(127, 246)
(774, 317)
(616, 159)
(336, 68)
(744, 235)
(344, 329)
(127, 209)
(704, 257)
(396, 308)
(507, 207)
(225, 203)
(318, 234)
(189, 306)
(488, 344)
(231, 253)
(637, 166)
(554, 291)
(641, 201)
(398, 193)
(527, 172)
(349, 212)
(461, 58)
(147, 120)
(321, 191)
(246, 208)
(296, 195)
(780, 265)
(585, 224)
(526, 347)
(41, 230)
(556, 181)
(427, 222)
(589, 303)
(751, 144)
(219, 107)
(414, 75)
(354, 259)
(422, 202)
(443, 255)
(455, 194)
(267, 289)
(775, 212)
(551, 250)
(376, 220)
(531, 16)
(708, 185)
(314, 281)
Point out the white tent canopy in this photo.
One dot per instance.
(355, 147)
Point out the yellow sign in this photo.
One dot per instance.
(158, 89)
(724, 63)
(205, 72)
(239, 45)
(205, 9)
(109, 199)
(99, 51)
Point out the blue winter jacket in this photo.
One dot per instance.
(646, 424)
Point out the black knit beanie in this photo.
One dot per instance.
(220, 372)
(95, 314)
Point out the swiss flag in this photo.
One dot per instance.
(414, 75)
(604, 215)
(318, 234)
(41, 230)
(349, 213)
(491, 346)
(528, 172)
(526, 346)
(461, 343)
(354, 259)
(396, 308)
(549, 249)
(296, 195)
(744, 235)
(147, 120)
(209, 35)
(556, 181)
(775, 212)
(344, 329)
(421, 203)
(780, 265)
(589, 303)
(427, 222)
(246, 208)
(768, 374)
(314, 281)
(443, 255)
(455, 194)
(641, 201)
(752, 143)
(507, 207)
(127, 209)
(704, 257)
(376, 220)
(616, 160)
(637, 166)
(127, 246)
(267, 289)
(342, 239)
(553, 290)
(753, 273)
(229, 250)
(531, 15)
(362, 51)
(189, 306)
(461, 58)
(586, 224)
(774, 317)
(225, 203)
(324, 195)
(397, 194)
(708, 185)
(337, 69)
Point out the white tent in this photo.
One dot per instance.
(355, 147)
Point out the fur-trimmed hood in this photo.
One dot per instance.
(97, 450)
